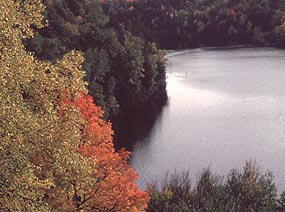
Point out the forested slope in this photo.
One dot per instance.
(124, 72)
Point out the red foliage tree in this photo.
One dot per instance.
(115, 188)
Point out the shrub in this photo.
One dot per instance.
(239, 191)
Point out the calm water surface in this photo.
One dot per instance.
(226, 106)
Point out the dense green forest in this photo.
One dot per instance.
(186, 24)
(124, 72)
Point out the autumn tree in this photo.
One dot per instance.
(115, 188)
(33, 146)
(54, 156)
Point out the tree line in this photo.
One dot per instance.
(238, 191)
(187, 24)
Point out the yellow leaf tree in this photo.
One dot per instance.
(42, 163)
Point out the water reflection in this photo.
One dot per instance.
(137, 127)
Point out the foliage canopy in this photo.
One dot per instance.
(56, 152)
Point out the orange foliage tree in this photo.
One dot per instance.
(115, 188)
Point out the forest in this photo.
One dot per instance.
(122, 40)
(124, 72)
(177, 24)
(68, 67)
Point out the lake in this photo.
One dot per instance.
(226, 106)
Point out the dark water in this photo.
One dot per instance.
(225, 106)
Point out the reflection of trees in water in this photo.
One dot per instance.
(136, 126)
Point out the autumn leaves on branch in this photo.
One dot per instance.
(56, 152)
